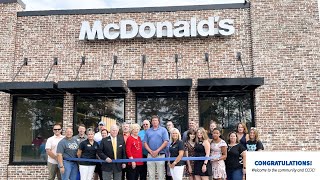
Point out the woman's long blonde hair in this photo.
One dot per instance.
(204, 134)
(175, 130)
(256, 133)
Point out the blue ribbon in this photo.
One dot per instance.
(141, 159)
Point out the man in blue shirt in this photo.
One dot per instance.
(155, 141)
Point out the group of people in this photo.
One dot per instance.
(226, 159)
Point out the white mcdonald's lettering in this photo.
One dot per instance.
(128, 29)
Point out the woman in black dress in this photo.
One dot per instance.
(202, 169)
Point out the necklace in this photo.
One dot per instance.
(191, 143)
(230, 147)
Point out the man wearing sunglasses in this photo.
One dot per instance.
(51, 149)
(98, 137)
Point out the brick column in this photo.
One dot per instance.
(8, 21)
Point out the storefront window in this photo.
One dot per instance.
(172, 107)
(90, 110)
(33, 119)
(226, 109)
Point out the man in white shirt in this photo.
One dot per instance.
(51, 149)
(97, 136)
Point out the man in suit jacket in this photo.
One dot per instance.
(106, 151)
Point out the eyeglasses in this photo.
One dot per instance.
(100, 124)
(56, 129)
(145, 124)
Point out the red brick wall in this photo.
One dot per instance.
(286, 52)
(8, 20)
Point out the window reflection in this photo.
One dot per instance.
(226, 109)
(90, 110)
(172, 107)
(33, 119)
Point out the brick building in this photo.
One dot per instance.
(265, 73)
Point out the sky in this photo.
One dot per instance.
(35, 5)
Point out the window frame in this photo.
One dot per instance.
(229, 94)
(14, 100)
(75, 98)
(182, 94)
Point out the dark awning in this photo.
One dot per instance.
(93, 87)
(32, 88)
(229, 84)
(162, 85)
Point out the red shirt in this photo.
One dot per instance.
(134, 149)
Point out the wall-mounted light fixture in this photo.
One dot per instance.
(176, 57)
(55, 61)
(239, 58)
(25, 61)
(143, 59)
(115, 61)
(83, 60)
(206, 58)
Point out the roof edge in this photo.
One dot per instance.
(14, 1)
(133, 10)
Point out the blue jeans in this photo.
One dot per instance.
(70, 170)
(234, 174)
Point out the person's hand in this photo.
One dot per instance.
(204, 168)
(134, 165)
(123, 166)
(61, 170)
(190, 170)
(172, 165)
(108, 160)
(154, 154)
(244, 171)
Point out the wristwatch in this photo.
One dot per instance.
(205, 163)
